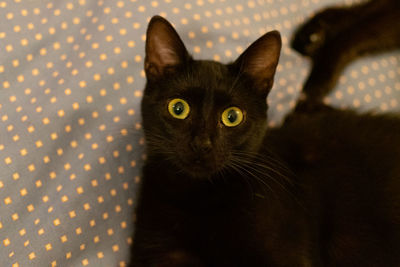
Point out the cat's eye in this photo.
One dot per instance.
(232, 117)
(178, 108)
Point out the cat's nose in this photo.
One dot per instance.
(201, 145)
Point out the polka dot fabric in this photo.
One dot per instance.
(71, 80)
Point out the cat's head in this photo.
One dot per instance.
(200, 115)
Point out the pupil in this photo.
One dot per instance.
(232, 116)
(178, 108)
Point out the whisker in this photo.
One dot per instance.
(261, 169)
(265, 159)
(254, 165)
(261, 174)
(246, 171)
(245, 178)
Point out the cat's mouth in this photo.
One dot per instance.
(201, 166)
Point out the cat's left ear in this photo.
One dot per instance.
(259, 61)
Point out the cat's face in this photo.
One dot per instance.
(200, 115)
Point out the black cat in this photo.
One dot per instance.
(336, 36)
(220, 189)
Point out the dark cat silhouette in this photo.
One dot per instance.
(336, 36)
(221, 189)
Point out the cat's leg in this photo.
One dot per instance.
(377, 34)
(171, 258)
(154, 247)
(180, 258)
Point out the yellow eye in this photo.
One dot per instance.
(178, 108)
(232, 117)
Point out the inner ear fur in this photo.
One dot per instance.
(260, 60)
(164, 48)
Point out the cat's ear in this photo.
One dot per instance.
(164, 49)
(259, 61)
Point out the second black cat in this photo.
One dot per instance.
(336, 36)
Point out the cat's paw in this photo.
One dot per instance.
(177, 258)
(320, 29)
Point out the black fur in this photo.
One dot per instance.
(322, 190)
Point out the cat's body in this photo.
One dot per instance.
(348, 165)
(336, 36)
(223, 190)
(342, 207)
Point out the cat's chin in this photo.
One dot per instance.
(200, 171)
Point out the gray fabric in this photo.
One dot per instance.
(71, 81)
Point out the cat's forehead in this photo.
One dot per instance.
(207, 81)
(210, 76)
(215, 68)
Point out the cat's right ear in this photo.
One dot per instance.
(260, 60)
(165, 51)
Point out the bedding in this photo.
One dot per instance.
(71, 80)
